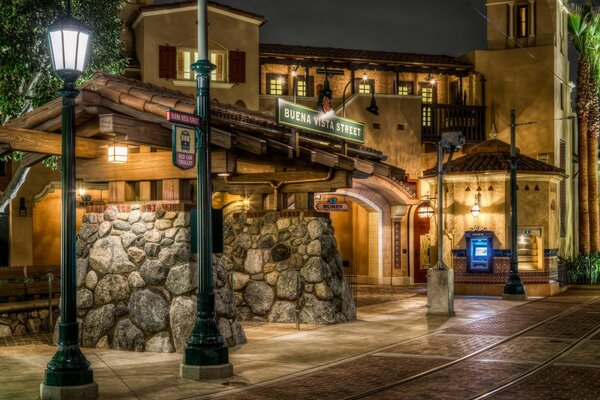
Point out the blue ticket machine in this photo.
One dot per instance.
(479, 251)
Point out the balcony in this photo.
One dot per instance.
(445, 117)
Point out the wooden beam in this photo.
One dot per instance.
(89, 128)
(120, 192)
(45, 143)
(134, 131)
(146, 167)
(250, 143)
(147, 191)
(363, 166)
(276, 177)
(341, 179)
(220, 138)
(5, 149)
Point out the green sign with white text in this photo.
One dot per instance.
(301, 117)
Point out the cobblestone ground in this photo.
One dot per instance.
(575, 376)
(22, 340)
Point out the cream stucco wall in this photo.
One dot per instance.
(177, 27)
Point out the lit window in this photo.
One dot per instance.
(405, 88)
(301, 87)
(522, 21)
(426, 98)
(364, 88)
(276, 86)
(219, 59)
(186, 57)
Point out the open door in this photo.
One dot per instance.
(424, 252)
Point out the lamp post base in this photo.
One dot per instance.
(82, 392)
(208, 372)
(440, 292)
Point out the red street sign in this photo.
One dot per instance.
(183, 118)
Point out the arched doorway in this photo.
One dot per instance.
(423, 250)
(358, 232)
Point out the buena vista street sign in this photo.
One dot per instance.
(297, 116)
(184, 138)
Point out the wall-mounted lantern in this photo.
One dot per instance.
(476, 209)
(117, 153)
(425, 210)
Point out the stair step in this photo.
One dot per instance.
(527, 245)
(527, 252)
(526, 266)
(531, 259)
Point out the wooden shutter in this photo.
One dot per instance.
(167, 62)
(237, 66)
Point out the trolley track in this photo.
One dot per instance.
(380, 391)
(349, 381)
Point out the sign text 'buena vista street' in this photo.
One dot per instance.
(301, 117)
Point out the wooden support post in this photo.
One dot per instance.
(304, 201)
(256, 202)
(147, 191)
(176, 190)
(120, 192)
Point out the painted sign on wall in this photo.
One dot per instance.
(297, 116)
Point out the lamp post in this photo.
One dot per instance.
(68, 374)
(373, 109)
(513, 288)
(205, 356)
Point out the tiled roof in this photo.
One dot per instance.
(493, 156)
(361, 55)
(210, 3)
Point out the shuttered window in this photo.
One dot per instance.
(277, 85)
(167, 62)
(237, 66)
(405, 88)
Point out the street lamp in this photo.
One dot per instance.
(206, 355)
(425, 211)
(373, 109)
(68, 374)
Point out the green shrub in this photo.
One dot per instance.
(584, 268)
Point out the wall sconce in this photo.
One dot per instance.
(84, 196)
(117, 153)
(22, 208)
(476, 209)
(425, 210)
(431, 79)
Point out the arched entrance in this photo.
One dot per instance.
(423, 250)
(358, 232)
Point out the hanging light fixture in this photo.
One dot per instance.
(117, 153)
(476, 209)
(425, 211)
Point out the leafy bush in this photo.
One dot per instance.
(584, 268)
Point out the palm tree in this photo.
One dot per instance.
(578, 22)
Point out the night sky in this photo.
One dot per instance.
(451, 27)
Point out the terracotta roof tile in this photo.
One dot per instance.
(361, 55)
(493, 156)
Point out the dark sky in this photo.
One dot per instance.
(451, 27)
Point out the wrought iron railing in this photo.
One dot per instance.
(437, 118)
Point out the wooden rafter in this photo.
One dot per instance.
(45, 143)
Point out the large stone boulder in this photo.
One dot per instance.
(259, 296)
(182, 317)
(108, 256)
(182, 279)
(96, 324)
(149, 310)
(128, 337)
(110, 289)
(153, 272)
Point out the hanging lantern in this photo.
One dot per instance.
(425, 211)
(117, 153)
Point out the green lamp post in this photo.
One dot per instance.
(206, 355)
(68, 374)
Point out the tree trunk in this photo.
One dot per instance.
(13, 187)
(593, 131)
(582, 107)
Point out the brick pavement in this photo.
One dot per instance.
(22, 340)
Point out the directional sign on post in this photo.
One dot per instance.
(184, 138)
(184, 146)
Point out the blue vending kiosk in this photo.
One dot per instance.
(479, 251)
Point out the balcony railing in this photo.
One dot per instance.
(436, 118)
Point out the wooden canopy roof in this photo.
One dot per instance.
(494, 156)
(135, 113)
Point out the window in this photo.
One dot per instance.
(427, 97)
(301, 87)
(277, 85)
(365, 87)
(522, 21)
(219, 59)
(405, 88)
(562, 97)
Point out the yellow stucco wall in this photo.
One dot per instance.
(224, 31)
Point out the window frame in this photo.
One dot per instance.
(408, 85)
(522, 24)
(281, 79)
(185, 72)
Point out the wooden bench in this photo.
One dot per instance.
(21, 283)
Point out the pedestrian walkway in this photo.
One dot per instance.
(391, 341)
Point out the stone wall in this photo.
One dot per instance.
(137, 280)
(281, 263)
(30, 321)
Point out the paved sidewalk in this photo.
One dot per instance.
(386, 317)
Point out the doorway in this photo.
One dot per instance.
(4, 240)
(424, 252)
